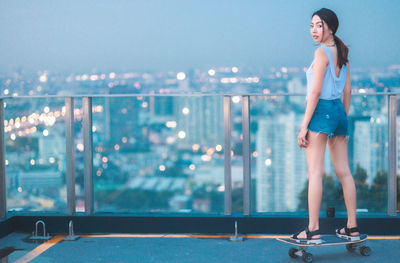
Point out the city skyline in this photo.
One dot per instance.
(174, 148)
(158, 36)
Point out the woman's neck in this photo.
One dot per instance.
(328, 42)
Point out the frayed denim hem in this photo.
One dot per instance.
(331, 135)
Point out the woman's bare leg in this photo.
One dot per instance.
(315, 153)
(338, 150)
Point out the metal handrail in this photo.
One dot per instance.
(180, 95)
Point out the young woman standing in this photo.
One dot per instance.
(325, 121)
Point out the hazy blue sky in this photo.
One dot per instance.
(161, 35)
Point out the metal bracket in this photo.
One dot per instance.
(35, 235)
(236, 237)
(71, 236)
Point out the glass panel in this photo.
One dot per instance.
(35, 154)
(368, 151)
(278, 166)
(158, 153)
(279, 169)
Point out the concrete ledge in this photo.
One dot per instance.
(194, 224)
(6, 226)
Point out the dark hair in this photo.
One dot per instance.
(330, 18)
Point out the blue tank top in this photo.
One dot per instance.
(332, 86)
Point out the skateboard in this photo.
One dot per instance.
(327, 240)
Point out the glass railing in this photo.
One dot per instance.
(34, 135)
(279, 167)
(209, 154)
(158, 154)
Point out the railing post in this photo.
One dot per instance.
(392, 182)
(3, 198)
(227, 153)
(70, 160)
(88, 153)
(246, 154)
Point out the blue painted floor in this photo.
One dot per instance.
(163, 249)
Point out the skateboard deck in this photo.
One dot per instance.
(327, 240)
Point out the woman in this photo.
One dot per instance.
(325, 121)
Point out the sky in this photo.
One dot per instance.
(75, 36)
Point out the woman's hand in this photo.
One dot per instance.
(301, 138)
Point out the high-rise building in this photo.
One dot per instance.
(119, 123)
(370, 149)
(281, 168)
(200, 120)
(51, 145)
(295, 86)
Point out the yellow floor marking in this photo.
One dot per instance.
(383, 237)
(182, 236)
(213, 236)
(40, 249)
(123, 235)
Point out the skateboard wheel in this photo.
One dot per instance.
(307, 257)
(350, 247)
(365, 250)
(292, 253)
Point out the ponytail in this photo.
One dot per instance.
(332, 21)
(343, 51)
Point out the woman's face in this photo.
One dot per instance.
(316, 31)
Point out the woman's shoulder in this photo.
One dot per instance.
(321, 56)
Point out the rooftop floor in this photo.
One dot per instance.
(181, 248)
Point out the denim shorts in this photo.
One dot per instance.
(329, 117)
